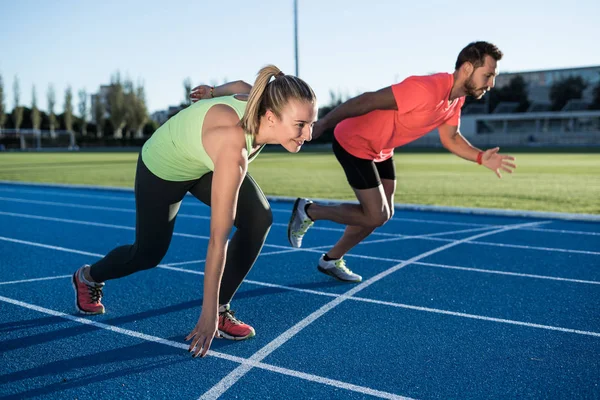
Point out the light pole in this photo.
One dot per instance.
(296, 35)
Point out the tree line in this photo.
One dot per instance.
(119, 108)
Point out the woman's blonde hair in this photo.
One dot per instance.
(273, 95)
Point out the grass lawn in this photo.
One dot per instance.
(561, 182)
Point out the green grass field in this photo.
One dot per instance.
(542, 182)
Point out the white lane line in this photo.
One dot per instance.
(201, 205)
(478, 212)
(315, 250)
(187, 262)
(231, 378)
(422, 237)
(494, 244)
(132, 211)
(426, 236)
(381, 302)
(564, 231)
(211, 353)
(126, 197)
(65, 220)
(171, 265)
(35, 279)
(47, 246)
(498, 272)
(103, 225)
(479, 317)
(70, 205)
(518, 246)
(321, 293)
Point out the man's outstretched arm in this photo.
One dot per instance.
(382, 99)
(227, 89)
(456, 143)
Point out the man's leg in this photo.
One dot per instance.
(371, 212)
(333, 263)
(354, 234)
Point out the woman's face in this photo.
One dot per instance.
(295, 125)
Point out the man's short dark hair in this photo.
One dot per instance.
(475, 53)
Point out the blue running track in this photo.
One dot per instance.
(452, 306)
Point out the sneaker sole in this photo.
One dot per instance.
(326, 272)
(229, 337)
(291, 220)
(82, 311)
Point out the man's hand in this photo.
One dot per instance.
(200, 92)
(496, 162)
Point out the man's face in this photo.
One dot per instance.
(482, 79)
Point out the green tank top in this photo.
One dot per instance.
(175, 151)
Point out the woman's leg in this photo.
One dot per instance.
(157, 203)
(252, 221)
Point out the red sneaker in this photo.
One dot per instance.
(87, 297)
(232, 328)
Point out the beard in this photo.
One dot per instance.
(472, 90)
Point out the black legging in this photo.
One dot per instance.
(157, 202)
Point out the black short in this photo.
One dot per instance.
(362, 173)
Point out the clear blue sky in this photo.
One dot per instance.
(347, 46)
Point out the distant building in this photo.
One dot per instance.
(101, 96)
(160, 117)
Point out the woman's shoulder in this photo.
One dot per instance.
(222, 114)
(222, 121)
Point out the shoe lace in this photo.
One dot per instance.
(307, 223)
(341, 264)
(95, 293)
(229, 315)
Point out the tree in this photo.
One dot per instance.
(99, 111)
(140, 111)
(187, 86)
(68, 115)
(564, 90)
(2, 107)
(130, 105)
(36, 117)
(83, 111)
(53, 122)
(17, 114)
(116, 105)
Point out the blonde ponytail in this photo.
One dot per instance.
(266, 95)
(251, 118)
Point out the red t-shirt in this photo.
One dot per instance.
(422, 106)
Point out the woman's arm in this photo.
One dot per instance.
(225, 144)
(230, 170)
